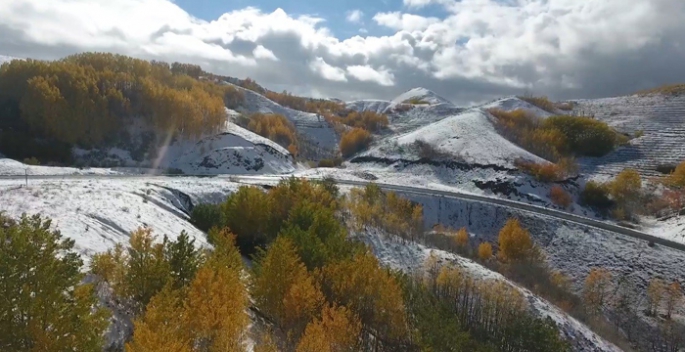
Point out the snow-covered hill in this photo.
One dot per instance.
(514, 103)
(469, 136)
(661, 120)
(311, 127)
(377, 106)
(421, 96)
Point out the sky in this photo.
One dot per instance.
(467, 51)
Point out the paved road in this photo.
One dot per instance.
(411, 190)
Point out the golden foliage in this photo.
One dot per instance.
(673, 297)
(560, 197)
(385, 210)
(461, 239)
(276, 128)
(485, 251)
(337, 331)
(88, 98)
(161, 328)
(596, 289)
(354, 141)
(283, 289)
(655, 293)
(515, 243)
(547, 172)
(369, 291)
(542, 102)
(677, 177)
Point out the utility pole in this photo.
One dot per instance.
(26, 176)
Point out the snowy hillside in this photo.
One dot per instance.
(422, 95)
(410, 257)
(98, 213)
(660, 118)
(235, 151)
(514, 103)
(310, 126)
(377, 106)
(469, 136)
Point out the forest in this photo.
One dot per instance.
(311, 285)
(92, 100)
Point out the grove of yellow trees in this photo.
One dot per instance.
(276, 128)
(89, 99)
(354, 141)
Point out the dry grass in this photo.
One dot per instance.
(672, 90)
(542, 102)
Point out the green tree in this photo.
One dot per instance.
(45, 306)
(184, 259)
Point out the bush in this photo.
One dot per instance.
(368, 120)
(428, 151)
(354, 141)
(31, 161)
(585, 136)
(596, 195)
(335, 162)
(416, 101)
(546, 172)
(677, 177)
(560, 197)
(205, 216)
(542, 102)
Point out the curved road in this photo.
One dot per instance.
(414, 190)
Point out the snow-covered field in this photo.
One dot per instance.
(99, 213)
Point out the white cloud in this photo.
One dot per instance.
(479, 49)
(355, 16)
(367, 73)
(260, 52)
(327, 71)
(404, 21)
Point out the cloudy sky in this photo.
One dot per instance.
(467, 51)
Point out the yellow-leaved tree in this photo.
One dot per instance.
(596, 289)
(337, 331)
(515, 243)
(485, 251)
(284, 290)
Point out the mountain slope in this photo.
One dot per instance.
(421, 96)
(314, 129)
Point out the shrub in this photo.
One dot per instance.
(354, 141)
(542, 102)
(428, 151)
(416, 101)
(206, 216)
(368, 120)
(596, 195)
(585, 136)
(485, 251)
(543, 172)
(335, 162)
(515, 243)
(639, 133)
(560, 197)
(677, 176)
(565, 106)
(31, 161)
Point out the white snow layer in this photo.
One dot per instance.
(421, 94)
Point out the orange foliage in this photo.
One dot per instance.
(560, 197)
(276, 128)
(354, 141)
(485, 251)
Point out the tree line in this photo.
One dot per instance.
(91, 99)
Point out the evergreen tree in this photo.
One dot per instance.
(184, 259)
(44, 305)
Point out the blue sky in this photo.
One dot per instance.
(334, 12)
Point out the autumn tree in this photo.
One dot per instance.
(276, 128)
(515, 243)
(655, 293)
(283, 289)
(371, 293)
(596, 289)
(354, 141)
(485, 251)
(246, 214)
(337, 331)
(45, 306)
(673, 297)
(677, 177)
(625, 189)
(461, 239)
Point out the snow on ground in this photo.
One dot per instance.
(514, 103)
(377, 106)
(470, 136)
(672, 229)
(13, 167)
(312, 126)
(410, 257)
(420, 94)
(99, 213)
